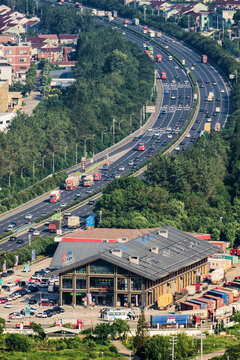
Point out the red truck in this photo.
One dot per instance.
(78, 5)
(78, 324)
(55, 196)
(164, 76)
(235, 251)
(88, 180)
(204, 59)
(158, 58)
(97, 176)
(54, 226)
(126, 21)
(71, 182)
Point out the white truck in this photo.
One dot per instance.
(152, 34)
(218, 109)
(183, 62)
(217, 276)
(73, 222)
(159, 34)
(210, 96)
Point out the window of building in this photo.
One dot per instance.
(80, 283)
(101, 267)
(1, 122)
(9, 59)
(23, 68)
(122, 284)
(67, 298)
(81, 298)
(22, 52)
(8, 52)
(81, 269)
(136, 283)
(104, 284)
(136, 300)
(121, 271)
(67, 282)
(23, 60)
(8, 121)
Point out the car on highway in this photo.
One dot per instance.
(135, 138)
(44, 214)
(121, 168)
(222, 91)
(31, 230)
(36, 233)
(63, 204)
(20, 241)
(28, 216)
(58, 309)
(163, 111)
(11, 227)
(77, 195)
(188, 135)
(89, 191)
(149, 155)
(67, 213)
(117, 176)
(192, 68)
(169, 136)
(173, 97)
(13, 238)
(218, 99)
(166, 91)
(91, 202)
(177, 148)
(130, 163)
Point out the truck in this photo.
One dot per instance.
(210, 96)
(159, 34)
(170, 57)
(152, 34)
(235, 251)
(217, 126)
(90, 222)
(183, 62)
(150, 49)
(141, 146)
(158, 58)
(191, 290)
(100, 13)
(217, 276)
(126, 22)
(135, 21)
(169, 319)
(54, 226)
(73, 222)
(106, 165)
(218, 109)
(55, 196)
(164, 301)
(76, 323)
(204, 59)
(97, 176)
(71, 183)
(78, 5)
(88, 180)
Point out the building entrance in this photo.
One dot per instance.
(102, 299)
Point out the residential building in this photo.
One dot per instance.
(18, 56)
(62, 78)
(67, 39)
(222, 18)
(122, 267)
(5, 70)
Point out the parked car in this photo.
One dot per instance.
(15, 315)
(58, 309)
(10, 272)
(8, 305)
(42, 315)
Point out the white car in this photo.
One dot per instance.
(188, 135)
(117, 176)
(36, 233)
(177, 148)
(176, 67)
(41, 315)
(169, 129)
(131, 162)
(28, 217)
(222, 91)
(122, 168)
(63, 204)
(192, 68)
(170, 136)
(9, 298)
(9, 305)
(68, 213)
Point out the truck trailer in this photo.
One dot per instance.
(72, 183)
(55, 196)
(73, 222)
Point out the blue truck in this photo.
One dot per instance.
(170, 319)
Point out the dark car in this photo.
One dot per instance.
(20, 241)
(4, 274)
(135, 138)
(48, 312)
(136, 159)
(31, 230)
(91, 202)
(32, 302)
(10, 272)
(58, 309)
(13, 238)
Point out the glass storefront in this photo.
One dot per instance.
(122, 300)
(67, 282)
(121, 271)
(122, 284)
(136, 300)
(101, 267)
(103, 284)
(80, 283)
(81, 299)
(136, 283)
(67, 298)
(102, 299)
(81, 269)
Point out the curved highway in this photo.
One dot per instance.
(176, 105)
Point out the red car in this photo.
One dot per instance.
(149, 155)
(3, 300)
(46, 303)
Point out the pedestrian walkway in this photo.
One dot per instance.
(211, 355)
(34, 98)
(128, 354)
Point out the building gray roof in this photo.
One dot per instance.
(156, 254)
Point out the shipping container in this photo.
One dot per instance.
(226, 291)
(186, 305)
(210, 303)
(221, 244)
(234, 284)
(214, 263)
(202, 305)
(235, 290)
(169, 319)
(220, 294)
(235, 306)
(217, 276)
(224, 311)
(202, 313)
(219, 301)
(233, 258)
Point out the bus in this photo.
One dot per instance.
(114, 314)
(164, 76)
(141, 146)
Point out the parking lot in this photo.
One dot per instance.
(89, 316)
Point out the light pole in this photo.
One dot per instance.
(53, 162)
(43, 160)
(113, 130)
(140, 123)
(34, 168)
(22, 170)
(131, 121)
(65, 154)
(93, 143)
(9, 179)
(76, 152)
(85, 146)
(102, 132)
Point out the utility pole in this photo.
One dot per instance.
(141, 118)
(33, 169)
(144, 13)
(201, 348)
(113, 130)
(173, 341)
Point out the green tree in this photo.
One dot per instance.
(17, 342)
(102, 331)
(120, 328)
(141, 337)
(38, 329)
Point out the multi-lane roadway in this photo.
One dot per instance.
(176, 105)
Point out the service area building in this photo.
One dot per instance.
(123, 267)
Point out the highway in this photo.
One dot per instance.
(176, 105)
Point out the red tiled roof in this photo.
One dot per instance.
(48, 36)
(69, 36)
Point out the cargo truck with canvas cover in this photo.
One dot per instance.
(72, 182)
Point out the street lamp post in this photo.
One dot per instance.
(85, 146)
(53, 162)
(43, 160)
(76, 152)
(131, 121)
(34, 168)
(93, 144)
(9, 179)
(65, 154)
(113, 130)
(102, 132)
(22, 170)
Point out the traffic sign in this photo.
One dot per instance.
(27, 311)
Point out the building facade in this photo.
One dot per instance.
(18, 56)
(132, 272)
